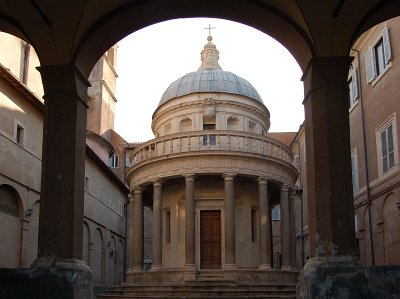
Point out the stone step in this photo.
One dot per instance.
(201, 291)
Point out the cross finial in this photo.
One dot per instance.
(209, 29)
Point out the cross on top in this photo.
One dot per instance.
(209, 29)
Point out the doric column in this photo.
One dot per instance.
(292, 230)
(285, 227)
(189, 222)
(264, 224)
(230, 249)
(157, 226)
(137, 253)
(329, 184)
(63, 163)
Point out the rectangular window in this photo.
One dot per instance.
(114, 161)
(209, 139)
(378, 56)
(168, 226)
(254, 225)
(387, 148)
(276, 213)
(127, 160)
(354, 171)
(297, 162)
(19, 137)
(87, 183)
(353, 88)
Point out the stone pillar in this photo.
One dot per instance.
(264, 224)
(157, 225)
(230, 249)
(137, 252)
(189, 222)
(131, 230)
(329, 185)
(292, 230)
(60, 241)
(285, 227)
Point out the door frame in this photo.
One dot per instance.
(209, 205)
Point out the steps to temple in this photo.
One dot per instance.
(211, 289)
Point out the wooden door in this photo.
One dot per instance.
(210, 239)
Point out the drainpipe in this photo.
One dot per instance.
(365, 160)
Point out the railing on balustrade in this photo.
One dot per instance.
(211, 141)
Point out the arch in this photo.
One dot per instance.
(133, 16)
(97, 257)
(86, 243)
(366, 245)
(120, 256)
(112, 261)
(185, 125)
(391, 233)
(10, 222)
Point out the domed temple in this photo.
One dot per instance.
(211, 176)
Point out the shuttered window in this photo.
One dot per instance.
(387, 149)
(8, 202)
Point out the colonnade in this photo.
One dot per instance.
(135, 219)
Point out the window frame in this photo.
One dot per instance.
(373, 74)
(114, 161)
(390, 122)
(353, 86)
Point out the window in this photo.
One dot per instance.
(252, 126)
(378, 56)
(127, 160)
(209, 139)
(19, 134)
(276, 213)
(185, 125)
(8, 202)
(297, 162)
(386, 142)
(87, 183)
(114, 161)
(167, 129)
(354, 171)
(254, 225)
(353, 88)
(387, 148)
(167, 226)
(233, 123)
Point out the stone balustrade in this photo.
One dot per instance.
(220, 141)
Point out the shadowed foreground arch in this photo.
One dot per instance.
(70, 36)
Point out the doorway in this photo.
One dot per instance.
(210, 239)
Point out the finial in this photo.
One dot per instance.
(209, 30)
(209, 55)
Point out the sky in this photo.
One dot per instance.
(149, 60)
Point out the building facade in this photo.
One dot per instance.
(21, 131)
(212, 177)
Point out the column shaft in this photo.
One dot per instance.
(63, 162)
(292, 229)
(131, 230)
(137, 263)
(230, 249)
(189, 222)
(157, 226)
(329, 184)
(264, 225)
(285, 227)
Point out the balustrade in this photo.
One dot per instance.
(211, 141)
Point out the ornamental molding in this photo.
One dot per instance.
(209, 108)
(262, 113)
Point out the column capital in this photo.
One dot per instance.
(137, 189)
(262, 180)
(229, 176)
(157, 182)
(189, 177)
(285, 187)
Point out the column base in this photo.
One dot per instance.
(264, 267)
(48, 278)
(344, 277)
(230, 266)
